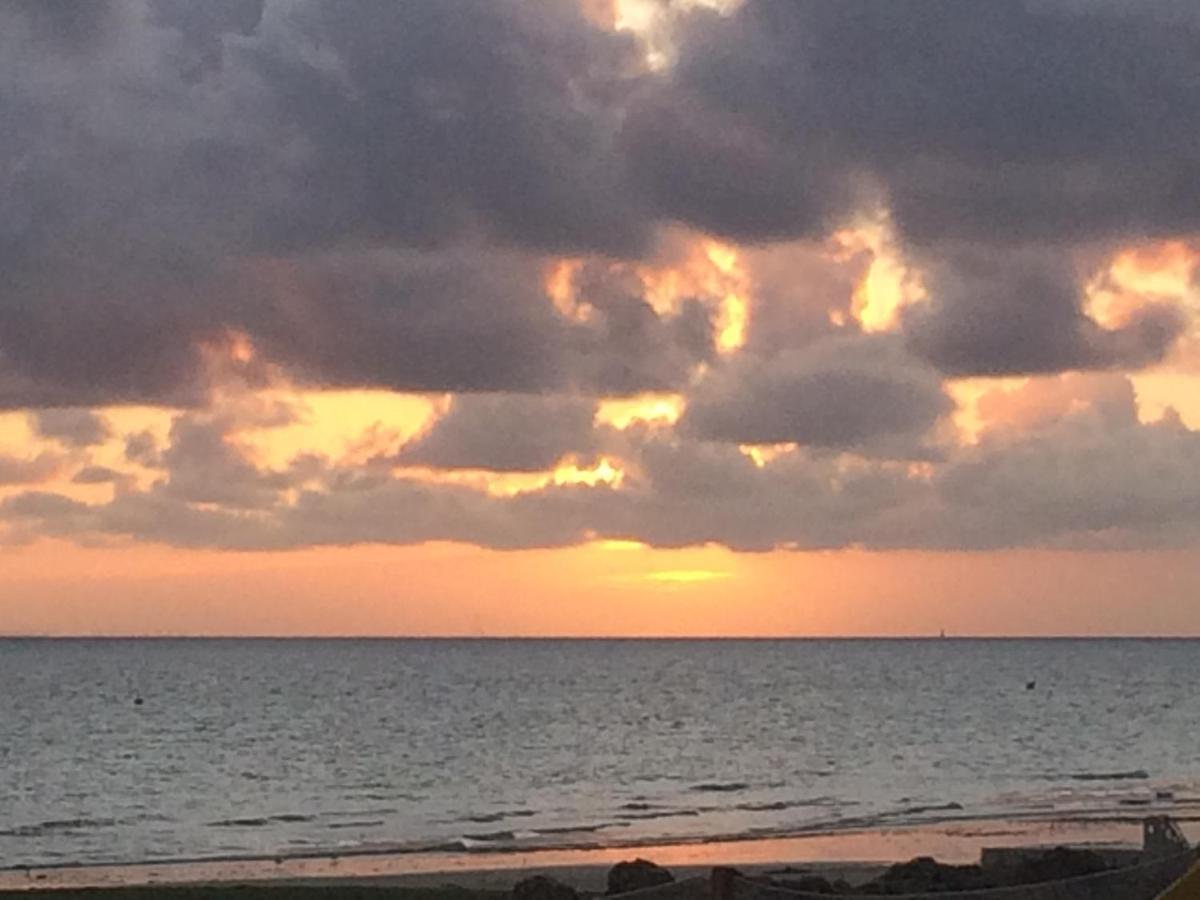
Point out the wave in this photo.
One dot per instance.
(720, 787)
(659, 814)
(1133, 775)
(255, 822)
(487, 818)
(50, 826)
(921, 810)
(259, 821)
(492, 836)
(580, 829)
(781, 805)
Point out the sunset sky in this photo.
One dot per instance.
(590, 317)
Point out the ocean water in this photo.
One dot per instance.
(248, 748)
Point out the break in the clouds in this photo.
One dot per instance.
(799, 220)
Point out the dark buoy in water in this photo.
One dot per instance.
(1030, 685)
(137, 701)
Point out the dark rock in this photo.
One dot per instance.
(539, 887)
(634, 876)
(926, 875)
(1061, 862)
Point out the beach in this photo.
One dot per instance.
(853, 856)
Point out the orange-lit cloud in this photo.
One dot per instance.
(731, 324)
(888, 285)
(1144, 273)
(621, 412)
(1017, 406)
(699, 267)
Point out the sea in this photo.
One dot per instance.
(125, 751)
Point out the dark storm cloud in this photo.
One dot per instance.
(1021, 312)
(202, 27)
(209, 135)
(859, 393)
(466, 320)
(164, 160)
(716, 169)
(437, 321)
(63, 25)
(1011, 121)
(1047, 123)
(420, 120)
(85, 336)
(510, 433)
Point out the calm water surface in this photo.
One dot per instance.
(285, 747)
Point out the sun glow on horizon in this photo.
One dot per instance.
(686, 576)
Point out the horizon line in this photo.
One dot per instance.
(594, 637)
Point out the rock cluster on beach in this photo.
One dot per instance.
(623, 878)
(925, 875)
(636, 875)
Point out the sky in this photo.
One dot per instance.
(599, 317)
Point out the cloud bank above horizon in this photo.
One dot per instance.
(776, 274)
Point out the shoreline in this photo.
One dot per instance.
(843, 852)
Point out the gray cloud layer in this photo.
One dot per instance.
(72, 427)
(505, 434)
(842, 393)
(1021, 312)
(1065, 482)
